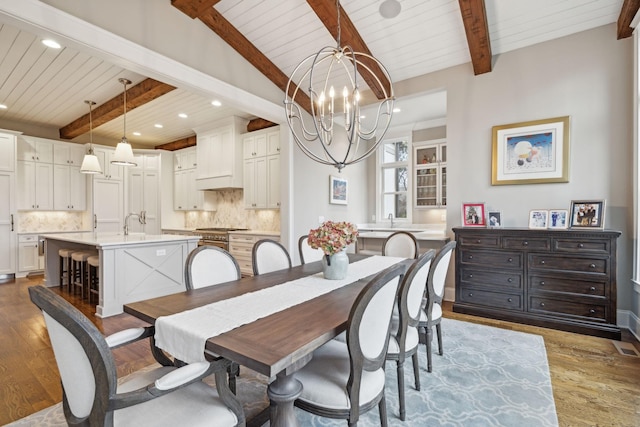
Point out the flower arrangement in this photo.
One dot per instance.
(332, 237)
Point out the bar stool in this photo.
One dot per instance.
(65, 267)
(93, 267)
(79, 270)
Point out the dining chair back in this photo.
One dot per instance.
(432, 306)
(401, 244)
(345, 379)
(307, 253)
(269, 255)
(163, 396)
(210, 265)
(404, 339)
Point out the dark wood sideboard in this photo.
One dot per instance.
(560, 279)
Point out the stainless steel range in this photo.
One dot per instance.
(215, 236)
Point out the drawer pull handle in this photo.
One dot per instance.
(510, 299)
(542, 283)
(592, 311)
(525, 243)
(478, 241)
(470, 256)
(470, 294)
(471, 276)
(592, 266)
(510, 259)
(541, 304)
(510, 280)
(542, 262)
(580, 245)
(592, 289)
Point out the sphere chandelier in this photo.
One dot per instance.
(336, 133)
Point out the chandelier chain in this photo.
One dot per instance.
(339, 29)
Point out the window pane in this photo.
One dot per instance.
(394, 179)
(395, 204)
(397, 151)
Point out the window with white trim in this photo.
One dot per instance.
(393, 178)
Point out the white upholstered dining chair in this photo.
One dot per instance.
(163, 396)
(269, 255)
(307, 253)
(210, 265)
(404, 339)
(431, 312)
(344, 379)
(401, 244)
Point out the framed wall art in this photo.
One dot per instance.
(494, 219)
(473, 215)
(587, 214)
(558, 218)
(532, 152)
(538, 218)
(338, 190)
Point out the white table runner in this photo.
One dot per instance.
(184, 334)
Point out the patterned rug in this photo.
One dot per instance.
(487, 377)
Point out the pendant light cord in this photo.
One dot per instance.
(339, 29)
(124, 117)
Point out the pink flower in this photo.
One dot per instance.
(332, 237)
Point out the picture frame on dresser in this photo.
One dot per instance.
(558, 219)
(587, 214)
(494, 219)
(538, 219)
(473, 215)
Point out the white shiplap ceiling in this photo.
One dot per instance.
(47, 87)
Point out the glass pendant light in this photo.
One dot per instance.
(90, 163)
(124, 153)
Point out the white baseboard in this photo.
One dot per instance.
(628, 319)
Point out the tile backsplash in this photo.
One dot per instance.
(35, 222)
(231, 213)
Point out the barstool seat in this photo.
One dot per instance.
(65, 267)
(93, 265)
(79, 270)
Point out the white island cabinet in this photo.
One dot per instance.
(132, 268)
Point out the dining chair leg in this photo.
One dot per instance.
(439, 332)
(232, 372)
(382, 410)
(429, 339)
(400, 372)
(416, 370)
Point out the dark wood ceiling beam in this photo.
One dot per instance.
(474, 17)
(178, 144)
(257, 124)
(627, 13)
(193, 8)
(349, 35)
(140, 94)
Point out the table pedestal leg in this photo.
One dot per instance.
(282, 393)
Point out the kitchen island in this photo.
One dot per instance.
(370, 239)
(134, 267)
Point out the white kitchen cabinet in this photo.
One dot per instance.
(430, 173)
(108, 205)
(29, 258)
(65, 153)
(109, 171)
(144, 193)
(186, 197)
(69, 188)
(7, 152)
(35, 186)
(220, 155)
(240, 246)
(185, 159)
(7, 225)
(35, 149)
(261, 170)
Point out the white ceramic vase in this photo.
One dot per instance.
(334, 267)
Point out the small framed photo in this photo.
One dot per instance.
(338, 190)
(494, 219)
(473, 215)
(587, 214)
(558, 218)
(538, 218)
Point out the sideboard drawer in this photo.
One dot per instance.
(568, 308)
(490, 299)
(534, 244)
(541, 283)
(491, 278)
(586, 246)
(491, 259)
(480, 241)
(562, 263)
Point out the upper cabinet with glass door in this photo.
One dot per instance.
(430, 172)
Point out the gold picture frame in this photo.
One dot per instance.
(534, 152)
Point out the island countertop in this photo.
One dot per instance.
(101, 240)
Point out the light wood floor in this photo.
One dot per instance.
(593, 384)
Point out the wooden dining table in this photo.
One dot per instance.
(277, 345)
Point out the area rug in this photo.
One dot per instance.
(486, 377)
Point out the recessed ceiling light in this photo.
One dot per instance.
(137, 133)
(182, 115)
(51, 43)
(3, 107)
(363, 116)
(158, 125)
(216, 103)
(396, 110)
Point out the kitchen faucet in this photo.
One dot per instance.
(142, 218)
(391, 219)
